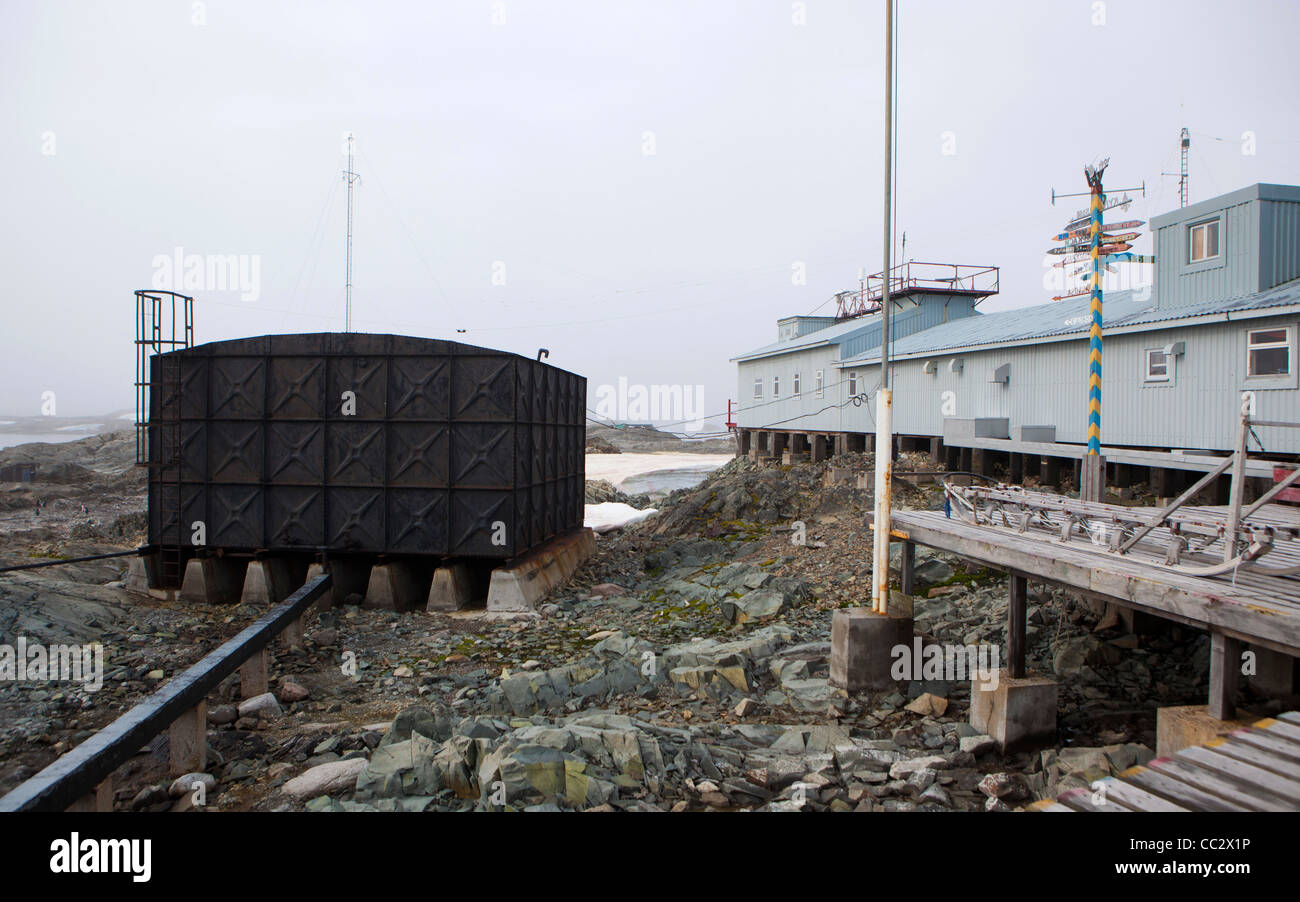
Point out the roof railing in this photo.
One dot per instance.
(914, 275)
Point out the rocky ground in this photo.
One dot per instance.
(684, 667)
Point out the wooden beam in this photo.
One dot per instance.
(907, 568)
(1017, 611)
(1225, 670)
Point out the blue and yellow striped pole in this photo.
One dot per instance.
(1094, 344)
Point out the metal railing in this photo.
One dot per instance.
(76, 774)
(917, 275)
(1236, 538)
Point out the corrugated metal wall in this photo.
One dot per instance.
(804, 413)
(1279, 253)
(1236, 273)
(1048, 386)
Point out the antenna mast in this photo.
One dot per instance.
(1184, 183)
(350, 177)
(1184, 188)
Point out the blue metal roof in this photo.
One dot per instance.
(833, 333)
(1061, 319)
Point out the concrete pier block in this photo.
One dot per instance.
(1184, 726)
(818, 448)
(395, 586)
(862, 644)
(326, 600)
(450, 590)
(141, 574)
(189, 741)
(1018, 713)
(213, 580)
(518, 587)
(268, 582)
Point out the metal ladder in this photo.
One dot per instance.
(158, 419)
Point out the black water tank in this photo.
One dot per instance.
(441, 449)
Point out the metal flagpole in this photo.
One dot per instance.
(884, 396)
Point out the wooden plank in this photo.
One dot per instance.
(1047, 805)
(1266, 780)
(1281, 728)
(1221, 785)
(1081, 800)
(1180, 792)
(1290, 717)
(1268, 742)
(1282, 765)
(1137, 798)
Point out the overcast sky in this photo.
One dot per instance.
(642, 176)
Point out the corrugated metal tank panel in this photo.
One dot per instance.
(1048, 386)
(1280, 242)
(445, 440)
(1179, 283)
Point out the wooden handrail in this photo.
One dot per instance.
(77, 773)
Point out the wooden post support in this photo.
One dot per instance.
(1017, 468)
(1092, 478)
(1051, 471)
(292, 637)
(906, 568)
(1016, 617)
(1225, 671)
(99, 800)
(189, 741)
(253, 675)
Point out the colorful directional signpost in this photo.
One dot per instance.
(1102, 249)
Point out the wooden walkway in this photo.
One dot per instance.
(1255, 769)
(1245, 606)
(1250, 606)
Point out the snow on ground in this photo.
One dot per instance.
(613, 515)
(617, 467)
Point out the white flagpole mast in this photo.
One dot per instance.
(885, 395)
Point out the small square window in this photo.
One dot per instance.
(1159, 366)
(1268, 352)
(1203, 241)
(758, 386)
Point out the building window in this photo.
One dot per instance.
(1203, 241)
(776, 386)
(1160, 366)
(758, 386)
(795, 385)
(821, 388)
(853, 384)
(1268, 352)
